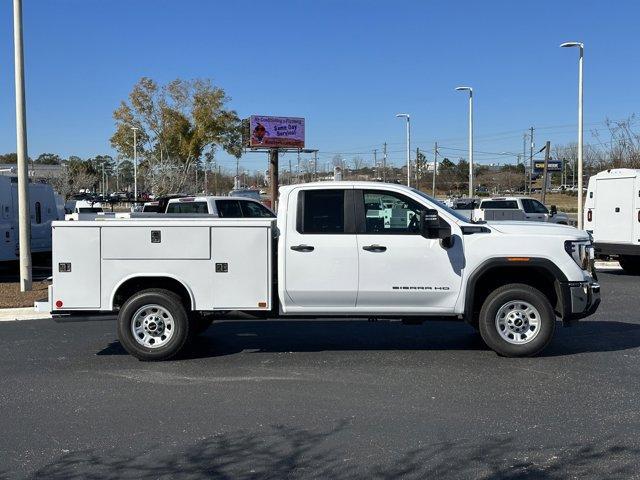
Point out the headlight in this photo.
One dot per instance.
(581, 251)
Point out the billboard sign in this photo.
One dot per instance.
(552, 166)
(276, 132)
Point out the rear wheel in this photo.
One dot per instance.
(517, 320)
(153, 325)
(630, 264)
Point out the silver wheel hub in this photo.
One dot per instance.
(518, 322)
(152, 326)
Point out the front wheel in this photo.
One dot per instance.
(517, 320)
(153, 325)
(630, 264)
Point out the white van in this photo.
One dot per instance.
(43, 210)
(612, 215)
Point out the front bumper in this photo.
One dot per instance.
(580, 299)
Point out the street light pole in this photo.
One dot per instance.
(470, 90)
(135, 164)
(406, 115)
(24, 222)
(580, 127)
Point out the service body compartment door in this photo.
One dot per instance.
(155, 242)
(615, 214)
(242, 268)
(76, 268)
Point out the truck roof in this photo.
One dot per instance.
(346, 183)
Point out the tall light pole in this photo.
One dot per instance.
(580, 139)
(135, 164)
(470, 90)
(406, 115)
(24, 222)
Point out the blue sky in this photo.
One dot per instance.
(347, 66)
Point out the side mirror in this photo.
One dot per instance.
(553, 210)
(431, 227)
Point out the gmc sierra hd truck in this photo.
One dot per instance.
(337, 249)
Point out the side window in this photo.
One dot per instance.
(254, 210)
(38, 213)
(387, 212)
(323, 211)
(503, 204)
(187, 207)
(229, 208)
(533, 206)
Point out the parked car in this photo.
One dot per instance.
(225, 207)
(612, 215)
(329, 254)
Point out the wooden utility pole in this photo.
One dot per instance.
(273, 176)
(435, 167)
(531, 161)
(418, 168)
(547, 149)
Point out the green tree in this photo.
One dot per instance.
(9, 158)
(175, 124)
(48, 159)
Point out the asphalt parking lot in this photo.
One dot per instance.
(323, 399)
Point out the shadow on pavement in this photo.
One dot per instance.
(286, 452)
(230, 337)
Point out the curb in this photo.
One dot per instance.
(17, 314)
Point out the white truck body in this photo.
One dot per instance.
(343, 249)
(43, 210)
(612, 213)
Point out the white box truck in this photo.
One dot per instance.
(43, 209)
(337, 249)
(612, 216)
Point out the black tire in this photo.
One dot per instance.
(630, 264)
(514, 293)
(168, 301)
(199, 322)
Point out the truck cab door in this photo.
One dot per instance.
(399, 269)
(320, 251)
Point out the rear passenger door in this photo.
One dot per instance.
(321, 255)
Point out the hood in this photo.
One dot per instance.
(538, 228)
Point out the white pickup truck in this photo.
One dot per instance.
(337, 249)
(518, 208)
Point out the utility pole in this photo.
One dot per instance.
(547, 149)
(435, 167)
(384, 163)
(290, 172)
(375, 163)
(273, 177)
(24, 222)
(417, 168)
(315, 166)
(531, 161)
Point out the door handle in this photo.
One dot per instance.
(302, 248)
(374, 248)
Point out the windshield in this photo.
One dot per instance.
(450, 211)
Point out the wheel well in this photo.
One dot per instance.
(534, 276)
(137, 284)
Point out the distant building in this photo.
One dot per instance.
(37, 171)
